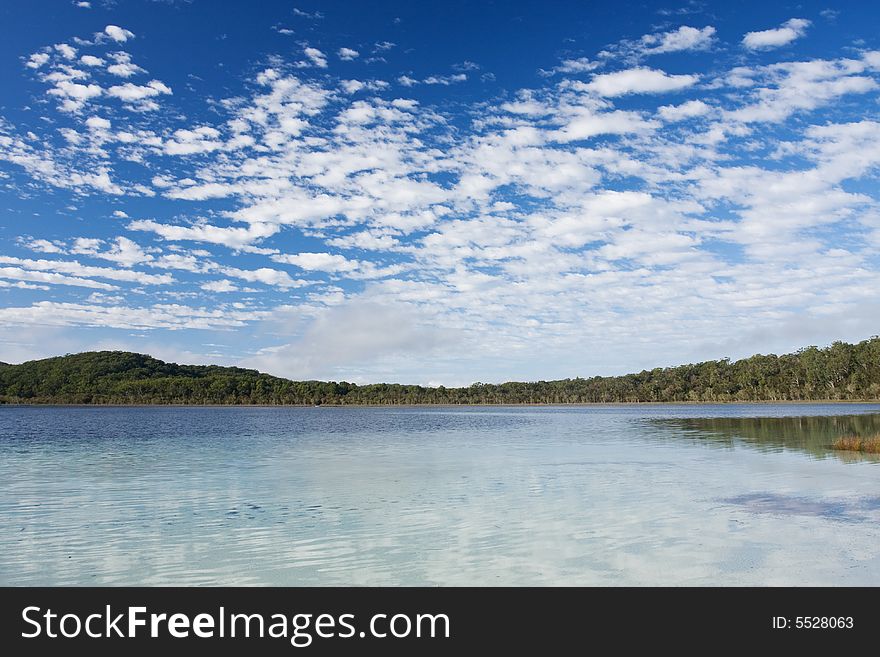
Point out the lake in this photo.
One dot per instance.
(589, 495)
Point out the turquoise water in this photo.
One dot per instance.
(616, 495)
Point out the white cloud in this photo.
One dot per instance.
(790, 30)
(74, 95)
(91, 60)
(574, 66)
(585, 123)
(265, 275)
(223, 285)
(318, 261)
(780, 90)
(684, 38)
(132, 93)
(117, 33)
(563, 215)
(307, 14)
(123, 67)
(122, 251)
(202, 139)
(37, 60)
(686, 110)
(347, 54)
(42, 246)
(78, 269)
(353, 86)
(125, 252)
(42, 165)
(366, 240)
(232, 237)
(639, 81)
(87, 245)
(354, 334)
(317, 57)
(197, 192)
(338, 265)
(157, 316)
(97, 123)
(185, 262)
(580, 65)
(67, 51)
(872, 59)
(444, 80)
(22, 285)
(17, 273)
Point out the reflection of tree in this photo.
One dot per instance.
(813, 434)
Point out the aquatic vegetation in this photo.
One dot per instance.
(869, 445)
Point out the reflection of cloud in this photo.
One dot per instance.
(786, 505)
(843, 510)
(343, 496)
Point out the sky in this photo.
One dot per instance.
(438, 193)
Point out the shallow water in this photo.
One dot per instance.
(614, 495)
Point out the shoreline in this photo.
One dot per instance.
(819, 402)
(120, 378)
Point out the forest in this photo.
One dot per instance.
(840, 371)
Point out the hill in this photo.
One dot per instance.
(839, 372)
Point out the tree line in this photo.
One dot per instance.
(841, 371)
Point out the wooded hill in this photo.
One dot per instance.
(839, 372)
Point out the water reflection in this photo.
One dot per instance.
(811, 434)
(617, 495)
(857, 510)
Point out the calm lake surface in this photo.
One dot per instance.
(614, 495)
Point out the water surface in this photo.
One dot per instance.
(613, 495)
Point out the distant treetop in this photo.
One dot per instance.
(841, 371)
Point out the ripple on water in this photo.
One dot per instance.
(432, 496)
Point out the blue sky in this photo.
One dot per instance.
(438, 192)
